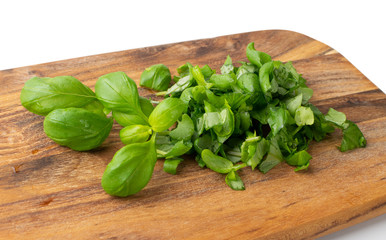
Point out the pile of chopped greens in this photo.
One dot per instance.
(255, 115)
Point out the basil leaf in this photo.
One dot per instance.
(166, 114)
(172, 150)
(223, 82)
(43, 95)
(273, 158)
(135, 134)
(277, 119)
(264, 77)
(125, 119)
(170, 165)
(234, 181)
(253, 150)
(130, 169)
(352, 137)
(119, 93)
(77, 128)
(299, 158)
(207, 72)
(294, 103)
(335, 117)
(179, 86)
(156, 77)
(228, 66)
(216, 163)
(199, 77)
(256, 57)
(249, 82)
(206, 142)
(304, 116)
(184, 129)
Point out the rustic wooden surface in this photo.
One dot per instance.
(48, 191)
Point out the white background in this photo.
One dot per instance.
(35, 32)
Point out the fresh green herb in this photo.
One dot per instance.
(130, 169)
(156, 77)
(77, 128)
(255, 114)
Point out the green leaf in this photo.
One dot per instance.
(256, 57)
(135, 134)
(228, 66)
(294, 103)
(166, 114)
(352, 137)
(206, 142)
(126, 119)
(199, 77)
(304, 116)
(172, 150)
(216, 163)
(306, 93)
(207, 72)
(43, 95)
(249, 82)
(273, 158)
(277, 119)
(130, 169)
(234, 181)
(170, 165)
(179, 86)
(156, 77)
(184, 129)
(77, 128)
(264, 77)
(119, 93)
(299, 158)
(223, 82)
(253, 150)
(303, 167)
(336, 117)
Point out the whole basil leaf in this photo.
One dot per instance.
(43, 95)
(125, 119)
(130, 169)
(135, 134)
(156, 77)
(77, 128)
(166, 114)
(184, 129)
(215, 162)
(234, 181)
(119, 93)
(256, 57)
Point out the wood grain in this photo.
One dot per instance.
(51, 192)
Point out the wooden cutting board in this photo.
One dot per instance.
(48, 191)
